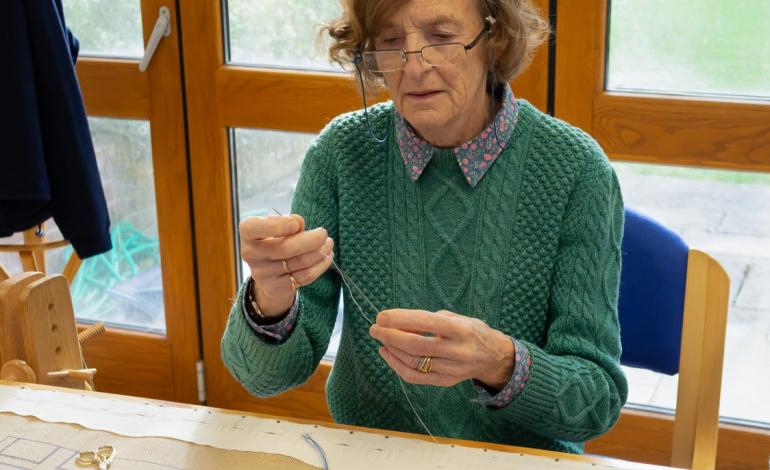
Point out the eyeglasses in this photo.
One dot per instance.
(435, 55)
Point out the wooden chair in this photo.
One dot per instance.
(673, 315)
(32, 254)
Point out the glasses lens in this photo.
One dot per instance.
(384, 61)
(444, 54)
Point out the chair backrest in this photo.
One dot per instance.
(673, 315)
(652, 288)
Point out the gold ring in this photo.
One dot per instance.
(294, 283)
(285, 266)
(425, 364)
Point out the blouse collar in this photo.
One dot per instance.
(475, 157)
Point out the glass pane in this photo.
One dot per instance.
(106, 27)
(726, 214)
(267, 167)
(268, 164)
(690, 47)
(122, 287)
(278, 33)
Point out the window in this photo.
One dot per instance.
(675, 116)
(124, 286)
(106, 27)
(145, 287)
(698, 47)
(277, 33)
(268, 164)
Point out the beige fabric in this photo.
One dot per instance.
(153, 434)
(32, 444)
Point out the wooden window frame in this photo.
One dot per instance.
(652, 128)
(135, 363)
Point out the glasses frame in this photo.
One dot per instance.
(488, 22)
(358, 58)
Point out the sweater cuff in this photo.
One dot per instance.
(263, 368)
(277, 332)
(543, 384)
(515, 385)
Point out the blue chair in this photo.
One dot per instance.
(673, 314)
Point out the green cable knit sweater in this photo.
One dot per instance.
(533, 250)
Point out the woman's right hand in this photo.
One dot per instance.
(266, 242)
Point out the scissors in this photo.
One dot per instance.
(102, 458)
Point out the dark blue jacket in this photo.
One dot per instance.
(47, 161)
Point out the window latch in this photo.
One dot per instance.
(162, 29)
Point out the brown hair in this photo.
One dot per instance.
(519, 30)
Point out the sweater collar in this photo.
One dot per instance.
(475, 157)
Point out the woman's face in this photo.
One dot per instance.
(450, 97)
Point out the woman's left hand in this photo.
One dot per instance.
(461, 347)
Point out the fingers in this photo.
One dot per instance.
(300, 220)
(410, 375)
(258, 228)
(298, 263)
(449, 326)
(308, 275)
(415, 344)
(291, 246)
(277, 287)
(439, 365)
(271, 268)
(463, 347)
(283, 248)
(278, 249)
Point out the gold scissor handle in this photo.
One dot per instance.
(102, 457)
(106, 453)
(88, 457)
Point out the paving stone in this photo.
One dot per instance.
(746, 376)
(673, 210)
(755, 291)
(701, 204)
(746, 373)
(749, 218)
(742, 321)
(629, 179)
(742, 245)
(665, 393)
(678, 191)
(641, 385)
(679, 219)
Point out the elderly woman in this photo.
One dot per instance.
(481, 234)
